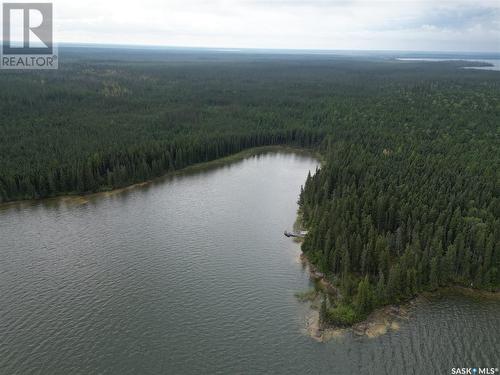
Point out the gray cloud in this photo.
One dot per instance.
(317, 24)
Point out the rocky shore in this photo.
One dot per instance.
(379, 322)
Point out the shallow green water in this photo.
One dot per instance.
(192, 275)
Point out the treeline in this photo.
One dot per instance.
(141, 163)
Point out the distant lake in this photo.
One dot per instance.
(192, 275)
(494, 62)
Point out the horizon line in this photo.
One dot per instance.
(263, 49)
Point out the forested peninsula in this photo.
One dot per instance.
(407, 198)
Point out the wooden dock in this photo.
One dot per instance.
(299, 234)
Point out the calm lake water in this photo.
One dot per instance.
(192, 275)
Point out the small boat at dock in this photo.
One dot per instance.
(299, 234)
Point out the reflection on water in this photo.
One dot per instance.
(192, 275)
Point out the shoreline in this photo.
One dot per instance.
(381, 320)
(82, 198)
(378, 322)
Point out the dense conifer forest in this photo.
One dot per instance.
(406, 200)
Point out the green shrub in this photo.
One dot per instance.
(343, 315)
(308, 295)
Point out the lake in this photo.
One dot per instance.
(192, 275)
(495, 63)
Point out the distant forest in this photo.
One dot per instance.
(407, 198)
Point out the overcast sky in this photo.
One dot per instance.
(437, 25)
